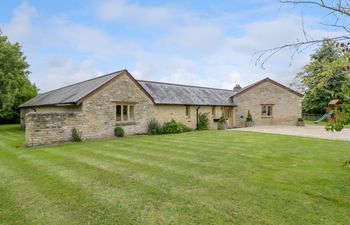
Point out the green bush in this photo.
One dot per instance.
(300, 119)
(171, 127)
(249, 117)
(119, 132)
(203, 121)
(76, 135)
(184, 128)
(154, 127)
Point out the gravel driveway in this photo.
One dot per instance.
(306, 131)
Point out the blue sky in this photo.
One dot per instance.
(206, 43)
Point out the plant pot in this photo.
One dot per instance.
(300, 123)
(249, 123)
(222, 126)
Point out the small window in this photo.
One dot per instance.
(213, 112)
(131, 113)
(125, 113)
(266, 110)
(188, 111)
(119, 113)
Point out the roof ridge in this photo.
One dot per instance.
(185, 85)
(104, 75)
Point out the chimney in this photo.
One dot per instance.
(237, 88)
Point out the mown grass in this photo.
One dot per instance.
(210, 177)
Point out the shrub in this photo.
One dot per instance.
(203, 121)
(184, 128)
(119, 132)
(154, 127)
(76, 135)
(171, 127)
(300, 120)
(222, 119)
(249, 117)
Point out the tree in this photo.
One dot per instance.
(15, 87)
(322, 80)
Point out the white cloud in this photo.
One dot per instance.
(198, 36)
(65, 71)
(187, 47)
(20, 27)
(121, 10)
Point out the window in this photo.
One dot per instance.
(266, 110)
(125, 113)
(213, 112)
(188, 111)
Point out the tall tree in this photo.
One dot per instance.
(15, 87)
(322, 80)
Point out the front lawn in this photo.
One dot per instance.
(209, 177)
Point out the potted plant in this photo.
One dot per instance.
(249, 121)
(300, 122)
(222, 125)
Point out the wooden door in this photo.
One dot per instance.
(229, 116)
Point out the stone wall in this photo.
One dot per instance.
(46, 109)
(164, 113)
(286, 105)
(51, 128)
(99, 110)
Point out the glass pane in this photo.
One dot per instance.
(119, 113)
(269, 110)
(263, 110)
(188, 111)
(125, 113)
(131, 113)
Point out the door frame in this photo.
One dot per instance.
(228, 111)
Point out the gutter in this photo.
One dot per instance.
(197, 110)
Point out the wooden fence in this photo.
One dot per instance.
(312, 117)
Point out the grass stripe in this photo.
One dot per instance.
(70, 203)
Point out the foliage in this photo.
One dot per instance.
(76, 135)
(15, 88)
(323, 78)
(222, 119)
(300, 119)
(184, 128)
(119, 132)
(249, 117)
(170, 127)
(154, 127)
(342, 114)
(203, 121)
(342, 118)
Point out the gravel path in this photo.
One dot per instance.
(307, 131)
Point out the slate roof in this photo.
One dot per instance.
(70, 94)
(246, 88)
(177, 94)
(160, 93)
